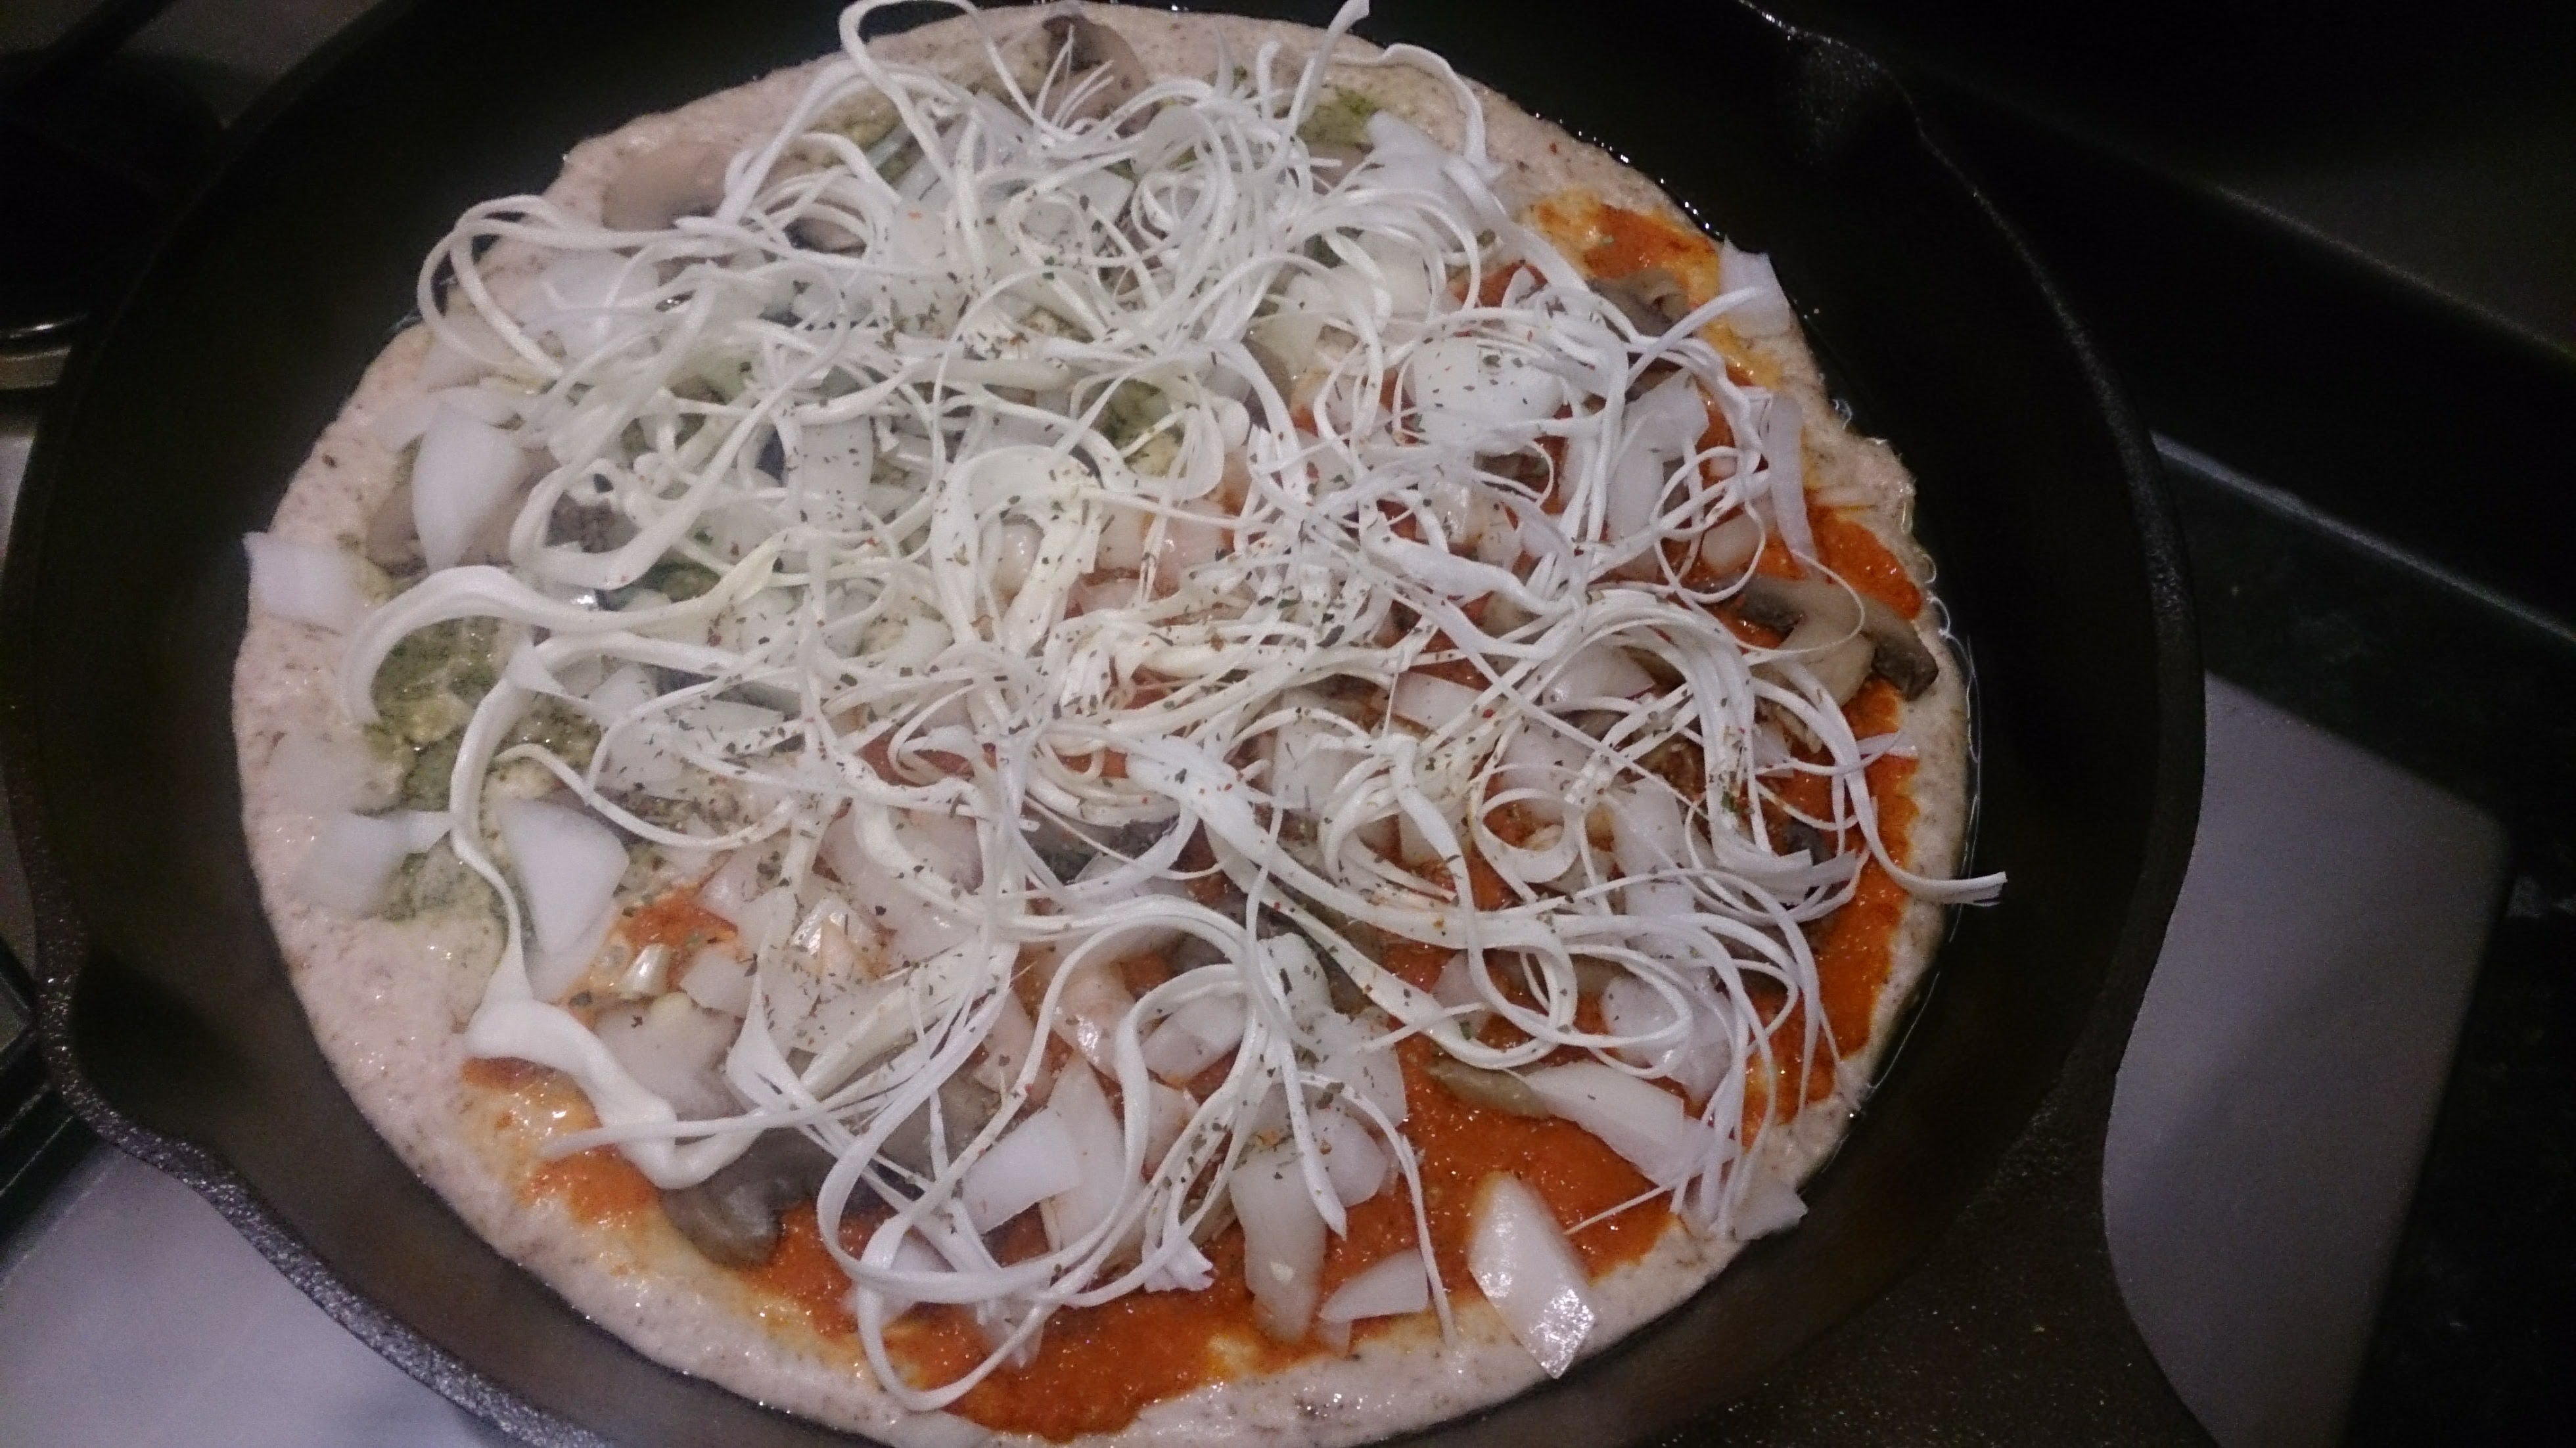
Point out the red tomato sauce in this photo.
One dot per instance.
(1633, 241)
(1098, 1367)
(598, 1186)
(802, 1276)
(1854, 948)
(675, 919)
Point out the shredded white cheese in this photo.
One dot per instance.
(1067, 492)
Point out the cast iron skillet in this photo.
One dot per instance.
(1951, 1282)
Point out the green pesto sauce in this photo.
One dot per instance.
(559, 728)
(1133, 408)
(1339, 119)
(432, 680)
(435, 882)
(424, 784)
(676, 579)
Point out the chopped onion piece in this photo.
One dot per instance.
(1784, 451)
(1487, 396)
(1601, 672)
(718, 978)
(1283, 1240)
(464, 474)
(1697, 1056)
(1431, 701)
(581, 299)
(1542, 759)
(1353, 1161)
(1767, 314)
(1167, 1110)
(1308, 762)
(674, 1049)
(818, 998)
(1007, 1046)
(1099, 1150)
(1664, 426)
(736, 883)
(947, 842)
(916, 928)
(1528, 1271)
(1388, 1287)
(1363, 1062)
(569, 865)
(1455, 986)
(1092, 1004)
(355, 856)
(1194, 1038)
(1770, 1205)
(1036, 1160)
(1635, 1118)
(308, 582)
(912, 1255)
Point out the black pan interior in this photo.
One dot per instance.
(167, 1007)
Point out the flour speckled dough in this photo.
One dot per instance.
(386, 1000)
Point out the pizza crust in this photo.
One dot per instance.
(387, 1000)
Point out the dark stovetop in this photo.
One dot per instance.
(2329, 255)
(2332, 262)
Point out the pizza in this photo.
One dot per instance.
(1103, 725)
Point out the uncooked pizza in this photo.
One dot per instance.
(1103, 725)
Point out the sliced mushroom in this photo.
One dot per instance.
(1771, 602)
(1789, 835)
(1066, 852)
(1821, 623)
(656, 187)
(1090, 45)
(1344, 992)
(591, 527)
(1493, 1090)
(732, 1216)
(491, 543)
(1840, 661)
(1652, 300)
(1059, 849)
(1786, 604)
(1897, 653)
(393, 542)
(1277, 368)
(1726, 548)
(821, 233)
(1192, 951)
(1815, 614)
(965, 1105)
(1592, 975)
